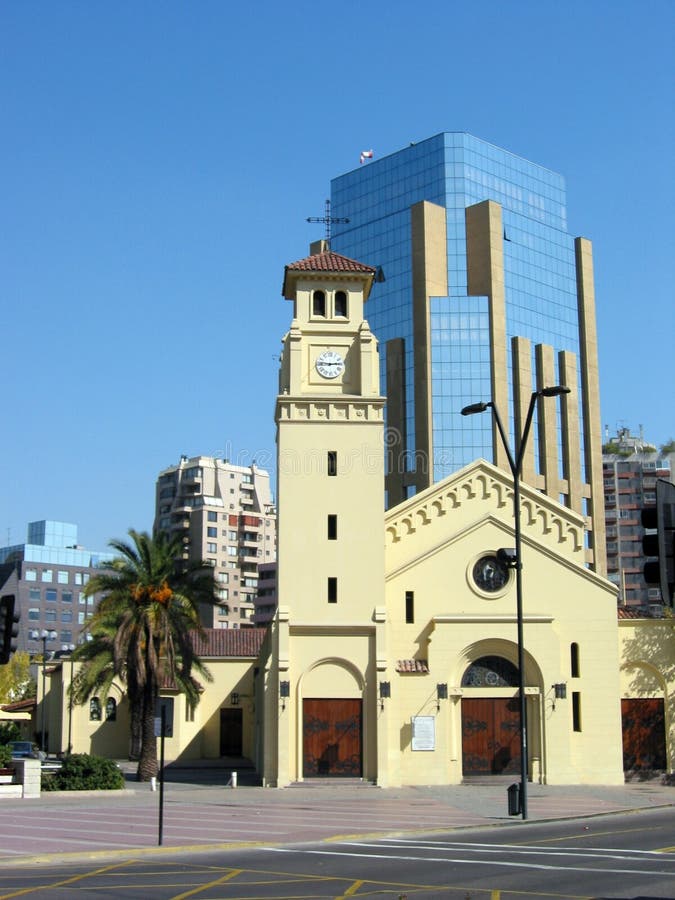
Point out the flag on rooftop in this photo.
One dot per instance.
(365, 154)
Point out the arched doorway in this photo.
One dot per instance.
(490, 724)
(332, 721)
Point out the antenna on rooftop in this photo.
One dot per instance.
(328, 220)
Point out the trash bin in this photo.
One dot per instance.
(513, 793)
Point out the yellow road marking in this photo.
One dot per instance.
(590, 833)
(495, 895)
(204, 887)
(71, 880)
(351, 890)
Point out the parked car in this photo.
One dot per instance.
(27, 750)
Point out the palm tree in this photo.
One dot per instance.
(95, 677)
(143, 630)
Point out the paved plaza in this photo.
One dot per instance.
(211, 814)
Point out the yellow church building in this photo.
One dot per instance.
(393, 656)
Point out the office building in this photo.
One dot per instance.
(48, 575)
(481, 294)
(225, 515)
(631, 467)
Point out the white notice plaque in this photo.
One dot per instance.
(424, 732)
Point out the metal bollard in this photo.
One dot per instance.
(233, 780)
(153, 784)
(513, 794)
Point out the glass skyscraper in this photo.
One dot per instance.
(482, 295)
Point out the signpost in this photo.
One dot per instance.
(163, 728)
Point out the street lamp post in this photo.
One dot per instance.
(516, 466)
(44, 636)
(69, 648)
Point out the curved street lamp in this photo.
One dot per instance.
(516, 466)
(44, 636)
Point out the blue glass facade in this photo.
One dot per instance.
(455, 171)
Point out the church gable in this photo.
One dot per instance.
(479, 493)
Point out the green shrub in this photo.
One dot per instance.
(9, 731)
(5, 756)
(48, 782)
(81, 772)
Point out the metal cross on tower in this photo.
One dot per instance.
(328, 220)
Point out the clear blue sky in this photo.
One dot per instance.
(158, 163)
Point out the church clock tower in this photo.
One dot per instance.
(330, 470)
(330, 429)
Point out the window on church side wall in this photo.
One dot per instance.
(110, 709)
(409, 607)
(574, 660)
(332, 462)
(576, 710)
(95, 709)
(332, 590)
(341, 304)
(318, 303)
(332, 527)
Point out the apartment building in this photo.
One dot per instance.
(266, 599)
(224, 514)
(631, 467)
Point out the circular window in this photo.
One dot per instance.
(490, 574)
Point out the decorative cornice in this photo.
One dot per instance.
(341, 629)
(473, 618)
(484, 482)
(313, 409)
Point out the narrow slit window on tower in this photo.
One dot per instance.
(576, 710)
(318, 303)
(332, 462)
(410, 606)
(574, 660)
(332, 590)
(341, 304)
(332, 527)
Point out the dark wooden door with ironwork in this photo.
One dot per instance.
(231, 732)
(644, 734)
(331, 738)
(490, 736)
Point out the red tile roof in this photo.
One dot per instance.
(625, 613)
(413, 666)
(19, 705)
(329, 262)
(230, 642)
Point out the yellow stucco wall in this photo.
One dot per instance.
(195, 735)
(647, 656)
(433, 542)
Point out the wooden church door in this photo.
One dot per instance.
(331, 738)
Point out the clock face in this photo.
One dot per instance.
(330, 364)
(490, 574)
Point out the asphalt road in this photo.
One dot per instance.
(629, 855)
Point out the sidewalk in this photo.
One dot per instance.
(209, 816)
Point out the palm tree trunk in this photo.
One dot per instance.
(147, 764)
(135, 729)
(135, 696)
